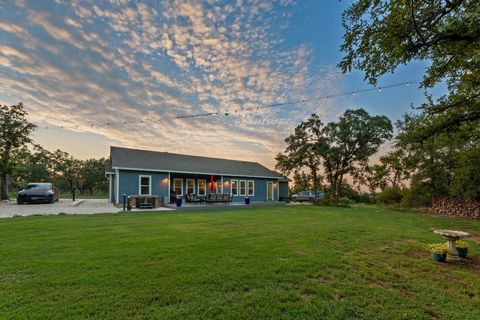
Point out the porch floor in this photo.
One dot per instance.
(222, 206)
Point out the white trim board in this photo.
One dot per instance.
(186, 186)
(140, 184)
(193, 172)
(178, 179)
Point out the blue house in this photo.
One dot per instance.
(141, 172)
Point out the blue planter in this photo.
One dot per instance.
(247, 200)
(179, 202)
(462, 252)
(438, 257)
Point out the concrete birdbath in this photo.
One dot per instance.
(452, 236)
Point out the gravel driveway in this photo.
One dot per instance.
(88, 206)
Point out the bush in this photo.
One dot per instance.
(416, 198)
(344, 202)
(391, 195)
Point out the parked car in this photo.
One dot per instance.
(38, 193)
(307, 196)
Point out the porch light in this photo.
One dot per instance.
(165, 181)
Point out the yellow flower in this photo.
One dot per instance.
(462, 244)
(439, 248)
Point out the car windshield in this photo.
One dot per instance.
(37, 187)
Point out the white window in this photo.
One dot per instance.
(190, 186)
(234, 188)
(144, 185)
(243, 185)
(202, 187)
(251, 187)
(178, 186)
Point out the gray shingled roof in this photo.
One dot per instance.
(172, 162)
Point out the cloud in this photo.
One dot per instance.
(146, 64)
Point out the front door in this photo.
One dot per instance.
(269, 191)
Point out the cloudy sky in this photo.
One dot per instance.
(120, 73)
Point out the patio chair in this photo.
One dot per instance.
(194, 198)
(225, 198)
(211, 198)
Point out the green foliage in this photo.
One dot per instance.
(418, 196)
(304, 181)
(302, 150)
(15, 131)
(343, 147)
(345, 202)
(390, 195)
(441, 138)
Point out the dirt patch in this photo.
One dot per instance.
(471, 262)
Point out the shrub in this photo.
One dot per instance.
(391, 195)
(344, 202)
(416, 198)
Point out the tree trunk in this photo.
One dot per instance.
(4, 187)
(315, 184)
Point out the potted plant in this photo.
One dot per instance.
(462, 248)
(439, 251)
(179, 201)
(129, 206)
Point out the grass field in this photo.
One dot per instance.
(268, 262)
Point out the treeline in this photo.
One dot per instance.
(36, 164)
(436, 152)
(22, 161)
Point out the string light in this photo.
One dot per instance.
(244, 110)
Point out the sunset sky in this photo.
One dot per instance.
(83, 64)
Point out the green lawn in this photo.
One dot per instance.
(268, 262)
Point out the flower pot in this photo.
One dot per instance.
(462, 252)
(247, 200)
(179, 202)
(439, 257)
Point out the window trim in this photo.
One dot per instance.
(253, 188)
(181, 180)
(240, 188)
(205, 187)
(236, 187)
(186, 186)
(140, 176)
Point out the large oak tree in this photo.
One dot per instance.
(341, 148)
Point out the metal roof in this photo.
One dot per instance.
(125, 158)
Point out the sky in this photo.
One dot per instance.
(93, 74)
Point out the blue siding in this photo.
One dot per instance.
(260, 188)
(129, 183)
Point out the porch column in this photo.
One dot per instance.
(110, 189)
(222, 183)
(169, 187)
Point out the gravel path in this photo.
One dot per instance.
(89, 206)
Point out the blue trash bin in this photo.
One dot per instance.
(247, 200)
